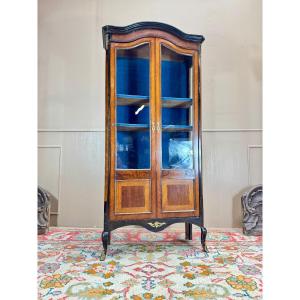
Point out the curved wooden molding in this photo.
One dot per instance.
(109, 30)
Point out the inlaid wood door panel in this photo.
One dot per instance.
(178, 196)
(132, 197)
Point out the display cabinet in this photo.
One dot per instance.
(153, 171)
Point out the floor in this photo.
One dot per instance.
(144, 265)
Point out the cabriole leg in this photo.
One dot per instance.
(109, 236)
(203, 238)
(188, 231)
(105, 239)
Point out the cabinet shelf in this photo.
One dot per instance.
(168, 102)
(172, 128)
(172, 102)
(124, 99)
(131, 127)
(165, 128)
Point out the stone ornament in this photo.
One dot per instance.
(43, 210)
(252, 211)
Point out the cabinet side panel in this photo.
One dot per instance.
(112, 91)
(107, 113)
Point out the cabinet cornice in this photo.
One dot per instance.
(109, 30)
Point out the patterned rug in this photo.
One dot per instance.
(143, 265)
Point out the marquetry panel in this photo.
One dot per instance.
(132, 196)
(177, 195)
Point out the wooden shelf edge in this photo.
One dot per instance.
(173, 128)
(124, 99)
(131, 127)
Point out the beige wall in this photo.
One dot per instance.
(71, 99)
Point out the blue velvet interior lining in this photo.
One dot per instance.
(133, 76)
(174, 79)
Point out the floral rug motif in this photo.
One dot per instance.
(144, 265)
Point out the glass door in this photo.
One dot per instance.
(132, 111)
(177, 103)
(131, 135)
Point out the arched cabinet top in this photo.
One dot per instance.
(150, 29)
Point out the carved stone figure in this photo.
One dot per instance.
(252, 209)
(43, 211)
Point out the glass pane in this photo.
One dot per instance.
(176, 109)
(132, 112)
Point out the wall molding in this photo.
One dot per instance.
(71, 130)
(59, 174)
(248, 159)
(103, 130)
(232, 130)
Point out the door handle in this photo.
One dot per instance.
(153, 126)
(158, 126)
